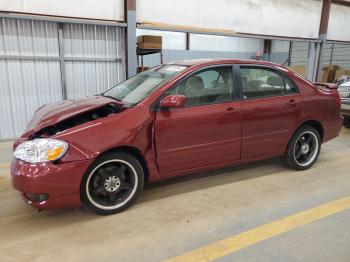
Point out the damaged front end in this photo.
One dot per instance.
(77, 120)
(43, 142)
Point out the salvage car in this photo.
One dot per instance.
(171, 120)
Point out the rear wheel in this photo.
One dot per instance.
(112, 183)
(303, 148)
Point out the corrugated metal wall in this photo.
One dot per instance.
(26, 84)
(337, 54)
(176, 55)
(97, 50)
(30, 72)
(299, 54)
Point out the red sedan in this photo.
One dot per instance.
(171, 120)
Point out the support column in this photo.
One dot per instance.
(326, 6)
(311, 61)
(131, 57)
(62, 62)
(267, 49)
(290, 50)
(188, 41)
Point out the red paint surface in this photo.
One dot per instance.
(177, 141)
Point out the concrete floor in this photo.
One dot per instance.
(175, 217)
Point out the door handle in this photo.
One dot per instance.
(230, 111)
(292, 103)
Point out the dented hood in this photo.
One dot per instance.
(51, 114)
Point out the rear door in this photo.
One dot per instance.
(271, 109)
(208, 130)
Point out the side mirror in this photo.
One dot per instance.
(173, 101)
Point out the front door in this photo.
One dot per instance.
(207, 131)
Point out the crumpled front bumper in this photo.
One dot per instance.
(61, 182)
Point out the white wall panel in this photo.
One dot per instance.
(339, 23)
(97, 9)
(176, 55)
(225, 43)
(292, 18)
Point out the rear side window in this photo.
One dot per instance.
(264, 82)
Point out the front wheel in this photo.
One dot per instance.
(112, 183)
(303, 148)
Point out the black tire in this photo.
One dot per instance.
(112, 183)
(346, 122)
(299, 156)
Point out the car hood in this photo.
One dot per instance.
(51, 114)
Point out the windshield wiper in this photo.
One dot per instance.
(111, 97)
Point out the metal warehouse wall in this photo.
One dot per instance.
(175, 55)
(337, 54)
(299, 54)
(31, 60)
(201, 46)
(95, 58)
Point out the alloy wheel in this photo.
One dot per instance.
(111, 184)
(306, 148)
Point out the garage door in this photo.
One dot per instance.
(35, 69)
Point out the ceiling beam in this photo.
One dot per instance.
(341, 2)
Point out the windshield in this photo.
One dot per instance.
(138, 87)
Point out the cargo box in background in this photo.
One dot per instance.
(149, 42)
(328, 73)
(301, 70)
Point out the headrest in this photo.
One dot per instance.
(274, 81)
(196, 82)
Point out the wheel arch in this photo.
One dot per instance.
(133, 151)
(315, 124)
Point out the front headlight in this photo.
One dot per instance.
(41, 150)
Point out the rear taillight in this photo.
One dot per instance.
(338, 99)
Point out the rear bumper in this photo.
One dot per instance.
(61, 182)
(332, 128)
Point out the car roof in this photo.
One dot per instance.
(214, 61)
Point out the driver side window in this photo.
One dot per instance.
(209, 86)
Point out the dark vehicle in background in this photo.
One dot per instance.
(169, 121)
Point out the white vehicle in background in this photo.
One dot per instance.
(344, 92)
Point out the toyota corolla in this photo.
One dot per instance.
(170, 120)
